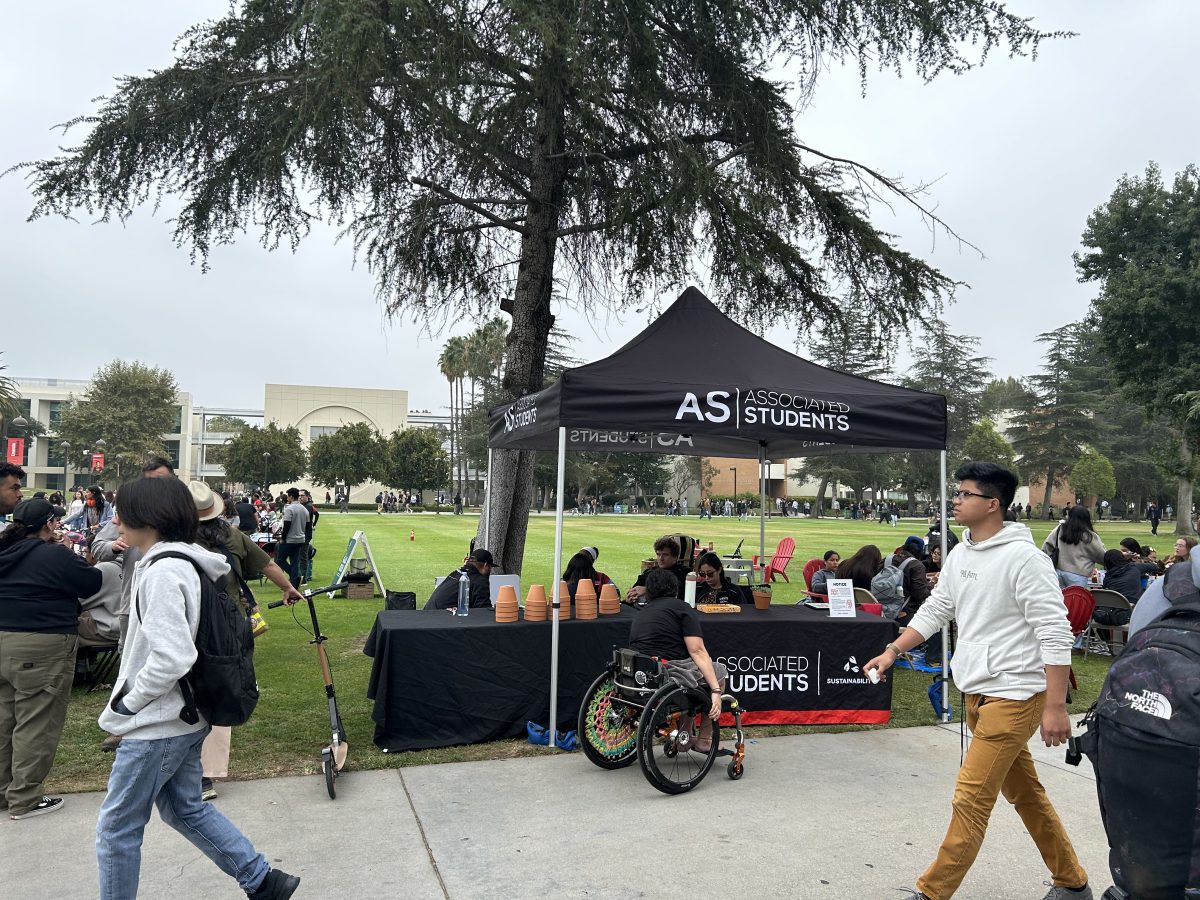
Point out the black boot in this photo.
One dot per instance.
(277, 885)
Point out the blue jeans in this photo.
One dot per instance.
(291, 559)
(165, 773)
(1066, 579)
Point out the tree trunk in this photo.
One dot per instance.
(822, 486)
(1049, 493)
(525, 358)
(1183, 495)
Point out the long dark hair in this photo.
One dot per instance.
(579, 567)
(97, 494)
(213, 534)
(1078, 527)
(16, 531)
(862, 566)
(713, 561)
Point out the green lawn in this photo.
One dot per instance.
(289, 727)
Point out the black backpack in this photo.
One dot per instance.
(221, 684)
(1143, 739)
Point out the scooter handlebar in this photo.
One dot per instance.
(310, 592)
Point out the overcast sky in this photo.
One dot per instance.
(1019, 153)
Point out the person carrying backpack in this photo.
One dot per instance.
(158, 759)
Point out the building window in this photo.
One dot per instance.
(316, 431)
(178, 420)
(25, 407)
(55, 413)
(173, 453)
(53, 454)
(55, 482)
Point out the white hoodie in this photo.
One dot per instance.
(1012, 621)
(160, 647)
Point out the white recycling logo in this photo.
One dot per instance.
(851, 665)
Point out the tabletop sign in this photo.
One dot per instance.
(841, 598)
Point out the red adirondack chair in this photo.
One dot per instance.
(811, 568)
(779, 562)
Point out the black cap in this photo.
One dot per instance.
(482, 556)
(33, 514)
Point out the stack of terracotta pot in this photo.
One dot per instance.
(610, 600)
(506, 604)
(535, 603)
(564, 601)
(585, 599)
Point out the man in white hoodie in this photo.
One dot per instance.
(158, 759)
(1012, 663)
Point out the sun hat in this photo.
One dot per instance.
(593, 552)
(209, 504)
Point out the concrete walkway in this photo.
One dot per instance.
(834, 816)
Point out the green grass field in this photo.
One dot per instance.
(289, 727)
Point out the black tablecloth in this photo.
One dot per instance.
(439, 680)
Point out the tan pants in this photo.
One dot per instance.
(35, 684)
(214, 752)
(998, 760)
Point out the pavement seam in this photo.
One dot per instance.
(424, 838)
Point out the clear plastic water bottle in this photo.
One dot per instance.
(464, 593)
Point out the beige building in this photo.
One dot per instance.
(315, 411)
(46, 467)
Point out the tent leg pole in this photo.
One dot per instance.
(945, 629)
(558, 531)
(762, 504)
(487, 504)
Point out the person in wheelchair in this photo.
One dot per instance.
(670, 629)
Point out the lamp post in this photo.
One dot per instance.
(733, 469)
(266, 462)
(65, 449)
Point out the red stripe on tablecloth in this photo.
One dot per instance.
(812, 717)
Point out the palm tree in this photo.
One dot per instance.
(453, 365)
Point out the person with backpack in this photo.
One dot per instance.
(1011, 663)
(1074, 547)
(903, 585)
(158, 760)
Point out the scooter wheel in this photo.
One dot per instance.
(330, 776)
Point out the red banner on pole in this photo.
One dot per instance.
(97, 462)
(14, 450)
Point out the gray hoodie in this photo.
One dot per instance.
(1012, 621)
(160, 647)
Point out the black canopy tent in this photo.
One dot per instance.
(696, 383)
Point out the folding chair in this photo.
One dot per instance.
(1106, 599)
(103, 661)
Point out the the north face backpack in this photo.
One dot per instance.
(221, 684)
(888, 587)
(1143, 738)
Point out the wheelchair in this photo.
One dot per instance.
(634, 709)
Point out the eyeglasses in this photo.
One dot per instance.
(709, 574)
(961, 493)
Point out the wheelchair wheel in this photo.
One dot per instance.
(667, 735)
(607, 727)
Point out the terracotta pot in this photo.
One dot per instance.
(535, 603)
(564, 600)
(585, 590)
(506, 604)
(610, 600)
(762, 600)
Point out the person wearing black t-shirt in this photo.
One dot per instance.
(670, 629)
(666, 552)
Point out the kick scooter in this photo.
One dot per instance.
(333, 757)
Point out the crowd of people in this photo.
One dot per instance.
(148, 548)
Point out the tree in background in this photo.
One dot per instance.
(452, 363)
(1093, 476)
(1048, 435)
(351, 455)
(1005, 395)
(475, 152)
(413, 460)
(948, 364)
(244, 461)
(130, 406)
(221, 425)
(687, 472)
(984, 442)
(9, 400)
(1141, 247)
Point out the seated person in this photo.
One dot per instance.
(933, 563)
(594, 553)
(1123, 575)
(714, 586)
(670, 629)
(581, 567)
(916, 584)
(861, 567)
(820, 579)
(478, 567)
(99, 623)
(666, 552)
